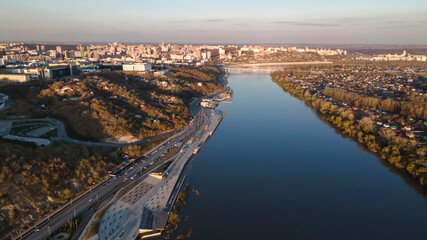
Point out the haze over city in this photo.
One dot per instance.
(190, 21)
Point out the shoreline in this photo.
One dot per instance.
(231, 65)
(371, 148)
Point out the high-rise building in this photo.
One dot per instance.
(42, 48)
(38, 48)
(198, 54)
(221, 53)
(59, 49)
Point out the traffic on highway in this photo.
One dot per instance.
(125, 175)
(121, 177)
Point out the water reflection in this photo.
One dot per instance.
(274, 171)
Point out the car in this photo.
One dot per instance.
(131, 178)
(36, 230)
(131, 168)
(90, 200)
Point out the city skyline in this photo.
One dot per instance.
(227, 119)
(240, 22)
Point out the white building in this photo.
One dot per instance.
(59, 49)
(395, 57)
(137, 67)
(15, 77)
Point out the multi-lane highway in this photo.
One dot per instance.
(124, 176)
(146, 207)
(107, 187)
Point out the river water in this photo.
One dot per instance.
(274, 170)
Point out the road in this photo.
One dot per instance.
(84, 202)
(62, 134)
(126, 216)
(7, 105)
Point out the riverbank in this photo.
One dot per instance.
(397, 150)
(248, 65)
(63, 170)
(273, 161)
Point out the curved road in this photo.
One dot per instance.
(62, 135)
(84, 201)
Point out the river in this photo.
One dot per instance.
(274, 170)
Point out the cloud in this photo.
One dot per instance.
(284, 22)
(400, 26)
(216, 20)
(242, 24)
(316, 24)
(394, 22)
(296, 23)
(196, 30)
(355, 19)
(180, 21)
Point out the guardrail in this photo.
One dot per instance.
(46, 219)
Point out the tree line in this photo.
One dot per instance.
(416, 108)
(398, 151)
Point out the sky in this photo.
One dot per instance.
(220, 21)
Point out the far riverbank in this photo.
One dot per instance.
(247, 65)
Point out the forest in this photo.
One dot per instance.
(406, 154)
(34, 181)
(113, 106)
(97, 107)
(416, 108)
